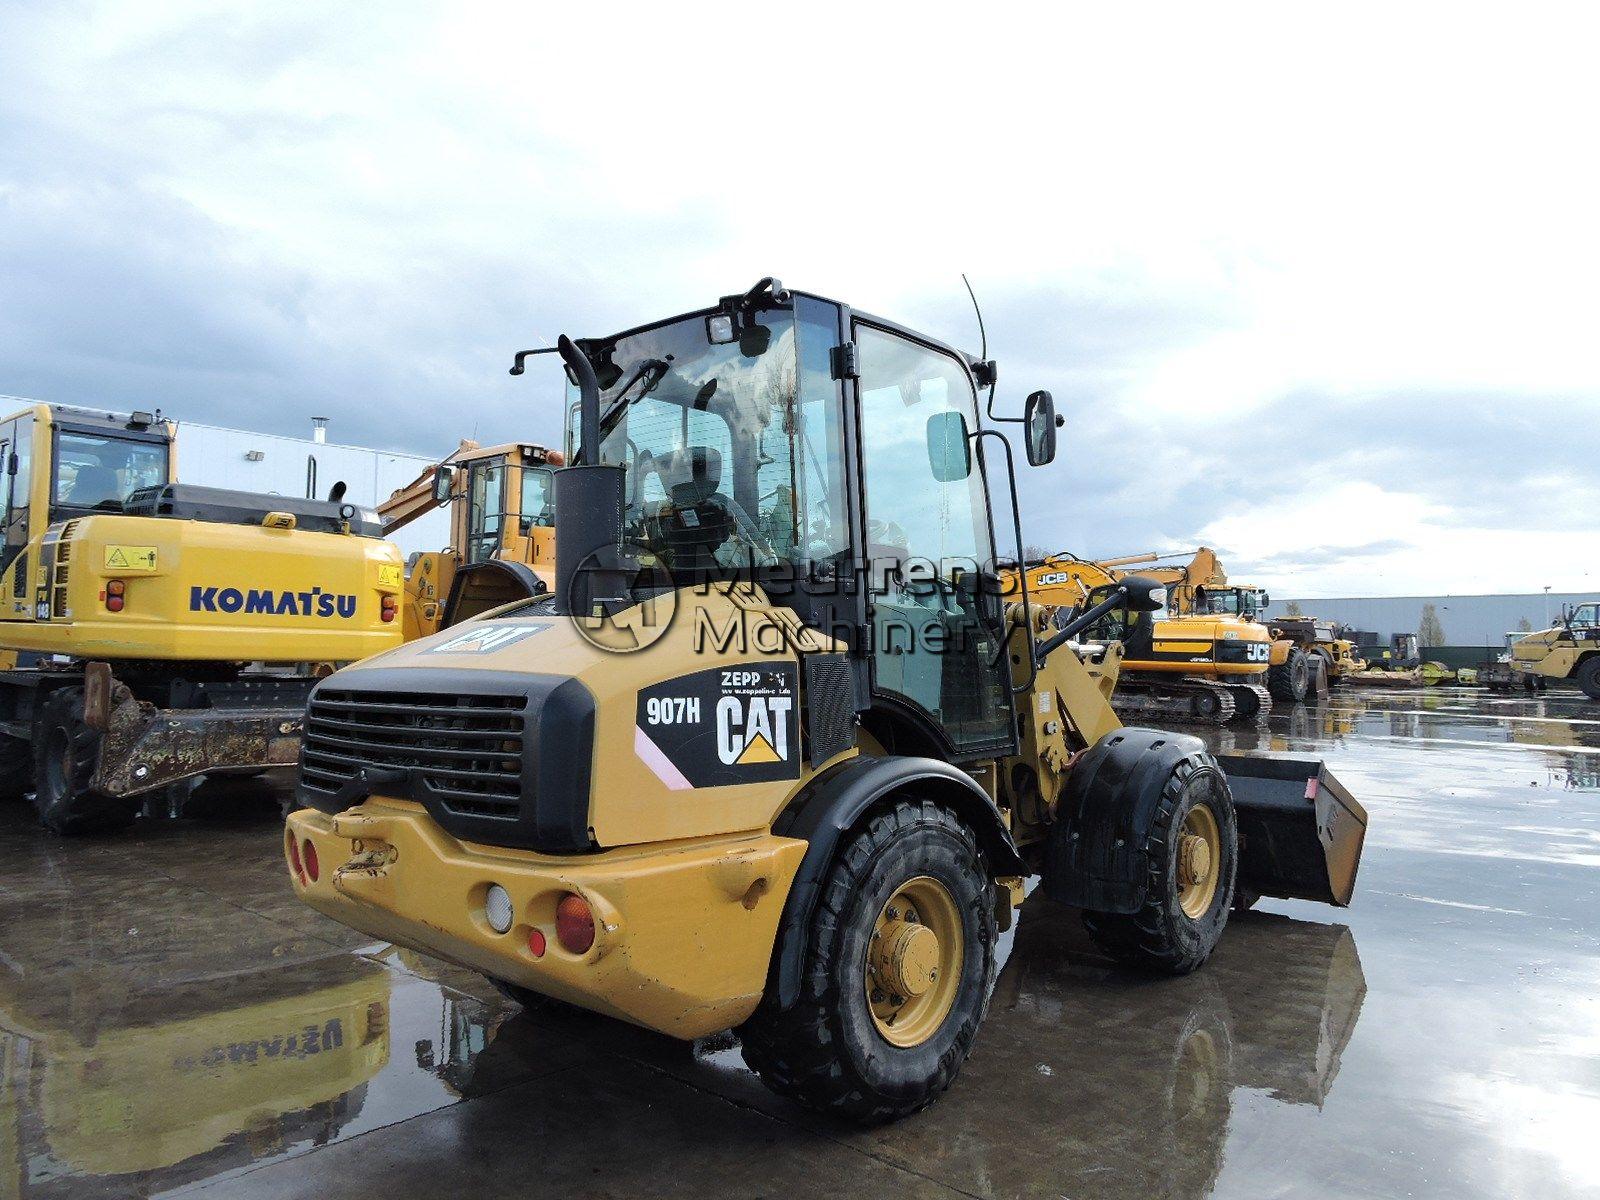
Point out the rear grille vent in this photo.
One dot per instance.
(61, 569)
(465, 750)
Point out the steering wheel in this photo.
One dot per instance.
(746, 526)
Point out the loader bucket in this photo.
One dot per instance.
(1300, 830)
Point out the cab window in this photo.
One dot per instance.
(1586, 616)
(98, 472)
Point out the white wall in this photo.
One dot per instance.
(212, 456)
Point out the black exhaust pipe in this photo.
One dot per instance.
(588, 502)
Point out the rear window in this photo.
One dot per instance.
(98, 471)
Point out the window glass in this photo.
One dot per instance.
(1586, 615)
(538, 497)
(99, 471)
(485, 511)
(935, 642)
(22, 444)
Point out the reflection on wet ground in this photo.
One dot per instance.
(171, 1020)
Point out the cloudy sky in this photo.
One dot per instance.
(1319, 287)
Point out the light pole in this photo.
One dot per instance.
(1547, 606)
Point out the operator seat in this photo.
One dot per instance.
(696, 526)
(93, 485)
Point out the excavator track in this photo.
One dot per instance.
(1251, 701)
(1177, 698)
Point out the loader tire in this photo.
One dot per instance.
(16, 768)
(1588, 676)
(1291, 679)
(65, 752)
(846, 1048)
(1181, 919)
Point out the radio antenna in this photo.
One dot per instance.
(983, 337)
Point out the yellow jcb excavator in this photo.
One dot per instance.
(1198, 666)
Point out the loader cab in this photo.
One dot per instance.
(1585, 616)
(828, 456)
(62, 462)
(502, 505)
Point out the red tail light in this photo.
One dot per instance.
(390, 605)
(309, 856)
(294, 859)
(536, 942)
(574, 924)
(115, 594)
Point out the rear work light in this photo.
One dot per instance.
(574, 924)
(389, 608)
(115, 594)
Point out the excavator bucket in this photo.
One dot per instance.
(1300, 829)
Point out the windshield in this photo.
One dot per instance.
(723, 468)
(99, 471)
(1232, 601)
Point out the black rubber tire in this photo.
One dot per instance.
(1160, 936)
(826, 1052)
(1588, 676)
(65, 751)
(16, 768)
(1291, 679)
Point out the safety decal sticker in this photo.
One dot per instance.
(722, 726)
(130, 558)
(485, 639)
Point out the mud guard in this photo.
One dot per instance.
(1094, 857)
(832, 804)
(1300, 829)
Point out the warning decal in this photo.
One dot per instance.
(723, 726)
(130, 558)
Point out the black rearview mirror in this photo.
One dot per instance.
(949, 453)
(443, 476)
(1041, 422)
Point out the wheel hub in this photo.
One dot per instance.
(905, 957)
(1199, 861)
(1196, 859)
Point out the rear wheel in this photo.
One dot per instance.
(65, 754)
(1192, 849)
(898, 968)
(1589, 676)
(1291, 679)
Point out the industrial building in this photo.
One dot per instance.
(1466, 620)
(216, 456)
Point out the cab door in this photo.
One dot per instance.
(934, 610)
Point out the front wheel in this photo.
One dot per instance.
(1192, 851)
(1589, 676)
(1290, 680)
(898, 968)
(66, 752)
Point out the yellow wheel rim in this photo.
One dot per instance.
(1199, 861)
(913, 967)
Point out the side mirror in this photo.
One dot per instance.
(1145, 594)
(1265, 600)
(443, 477)
(949, 452)
(1041, 423)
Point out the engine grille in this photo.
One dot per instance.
(466, 750)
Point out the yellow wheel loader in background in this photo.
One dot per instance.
(1569, 649)
(1199, 666)
(774, 754)
(154, 632)
(502, 532)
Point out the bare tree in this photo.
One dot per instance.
(1429, 631)
(1524, 626)
(1293, 610)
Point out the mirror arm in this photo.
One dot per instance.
(1016, 529)
(1078, 624)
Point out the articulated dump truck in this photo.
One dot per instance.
(774, 754)
(154, 632)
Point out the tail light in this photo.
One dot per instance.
(115, 594)
(390, 606)
(308, 855)
(574, 924)
(294, 858)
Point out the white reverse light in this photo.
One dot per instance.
(497, 908)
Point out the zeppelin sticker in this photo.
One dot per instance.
(719, 727)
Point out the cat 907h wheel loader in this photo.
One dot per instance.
(153, 631)
(774, 755)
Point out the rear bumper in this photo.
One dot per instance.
(683, 931)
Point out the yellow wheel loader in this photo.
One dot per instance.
(1569, 649)
(502, 532)
(774, 755)
(154, 632)
(1200, 666)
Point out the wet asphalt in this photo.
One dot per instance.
(172, 1020)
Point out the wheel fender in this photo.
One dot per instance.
(1094, 856)
(833, 803)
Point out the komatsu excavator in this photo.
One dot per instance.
(801, 798)
(1194, 666)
